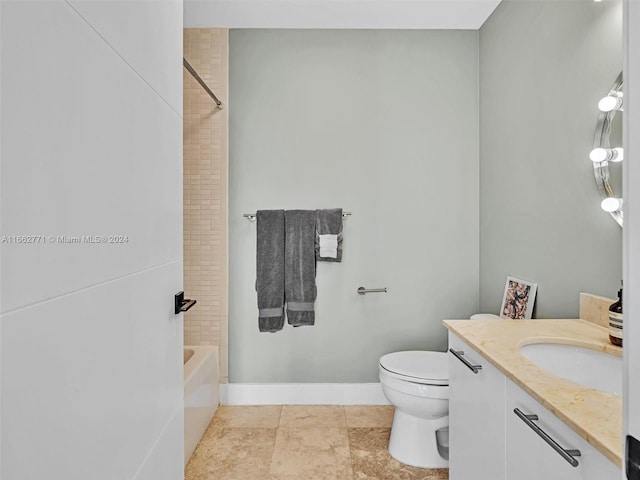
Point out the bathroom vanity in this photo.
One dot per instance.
(511, 419)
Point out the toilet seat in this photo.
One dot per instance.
(421, 367)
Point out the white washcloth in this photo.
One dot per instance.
(328, 246)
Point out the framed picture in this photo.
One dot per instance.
(519, 297)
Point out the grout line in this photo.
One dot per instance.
(273, 448)
(353, 472)
(123, 59)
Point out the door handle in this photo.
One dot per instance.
(182, 304)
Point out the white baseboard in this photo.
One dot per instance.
(302, 394)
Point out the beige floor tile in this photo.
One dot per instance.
(234, 449)
(261, 416)
(313, 416)
(371, 460)
(232, 454)
(369, 455)
(369, 416)
(289, 477)
(317, 476)
(399, 471)
(312, 453)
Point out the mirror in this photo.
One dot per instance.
(607, 153)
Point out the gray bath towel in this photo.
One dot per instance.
(300, 266)
(328, 229)
(270, 269)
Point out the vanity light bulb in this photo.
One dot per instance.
(611, 204)
(610, 103)
(617, 154)
(599, 154)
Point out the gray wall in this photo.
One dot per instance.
(543, 67)
(384, 124)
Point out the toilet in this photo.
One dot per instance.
(416, 383)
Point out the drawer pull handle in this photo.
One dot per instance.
(459, 355)
(566, 454)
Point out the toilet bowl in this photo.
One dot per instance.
(417, 384)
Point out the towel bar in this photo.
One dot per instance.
(252, 216)
(362, 290)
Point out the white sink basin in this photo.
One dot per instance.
(583, 366)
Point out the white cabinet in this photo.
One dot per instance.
(488, 441)
(476, 416)
(530, 457)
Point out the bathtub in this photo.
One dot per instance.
(201, 394)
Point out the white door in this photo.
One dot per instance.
(91, 222)
(632, 231)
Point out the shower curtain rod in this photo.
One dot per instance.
(195, 75)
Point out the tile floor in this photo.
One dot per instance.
(301, 442)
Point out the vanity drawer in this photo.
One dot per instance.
(476, 415)
(540, 446)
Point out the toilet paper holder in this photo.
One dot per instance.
(362, 290)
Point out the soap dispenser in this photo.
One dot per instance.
(615, 321)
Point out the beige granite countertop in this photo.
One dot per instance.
(596, 416)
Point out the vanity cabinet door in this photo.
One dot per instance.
(530, 457)
(476, 416)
